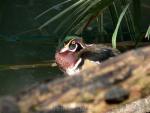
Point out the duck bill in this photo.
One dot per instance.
(80, 41)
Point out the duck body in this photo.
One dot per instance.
(98, 53)
(72, 58)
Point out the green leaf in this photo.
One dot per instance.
(48, 10)
(74, 14)
(77, 13)
(61, 14)
(81, 17)
(114, 36)
(148, 33)
(137, 19)
(115, 9)
(129, 21)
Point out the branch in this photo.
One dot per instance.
(115, 82)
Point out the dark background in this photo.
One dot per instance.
(21, 43)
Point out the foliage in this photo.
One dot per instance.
(148, 33)
(81, 13)
(117, 27)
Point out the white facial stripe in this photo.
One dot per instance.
(74, 70)
(77, 63)
(64, 49)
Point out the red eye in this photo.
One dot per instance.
(73, 42)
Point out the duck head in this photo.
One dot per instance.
(67, 55)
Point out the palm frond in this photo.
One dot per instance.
(82, 8)
(148, 33)
(137, 19)
(115, 9)
(118, 24)
(61, 13)
(75, 13)
(48, 10)
(81, 13)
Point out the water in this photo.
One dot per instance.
(23, 64)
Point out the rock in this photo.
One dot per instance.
(116, 95)
(61, 109)
(8, 105)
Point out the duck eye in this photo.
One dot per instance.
(72, 46)
(73, 42)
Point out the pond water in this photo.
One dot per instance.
(23, 64)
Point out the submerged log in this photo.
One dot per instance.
(115, 82)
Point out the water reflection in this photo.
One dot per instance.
(18, 65)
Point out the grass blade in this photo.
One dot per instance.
(81, 16)
(115, 9)
(74, 14)
(148, 33)
(62, 3)
(137, 19)
(61, 14)
(114, 36)
(129, 22)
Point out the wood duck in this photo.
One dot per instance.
(75, 55)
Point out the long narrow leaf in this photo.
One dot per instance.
(101, 4)
(62, 3)
(115, 9)
(74, 14)
(129, 22)
(137, 19)
(79, 18)
(60, 14)
(80, 26)
(148, 33)
(114, 36)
